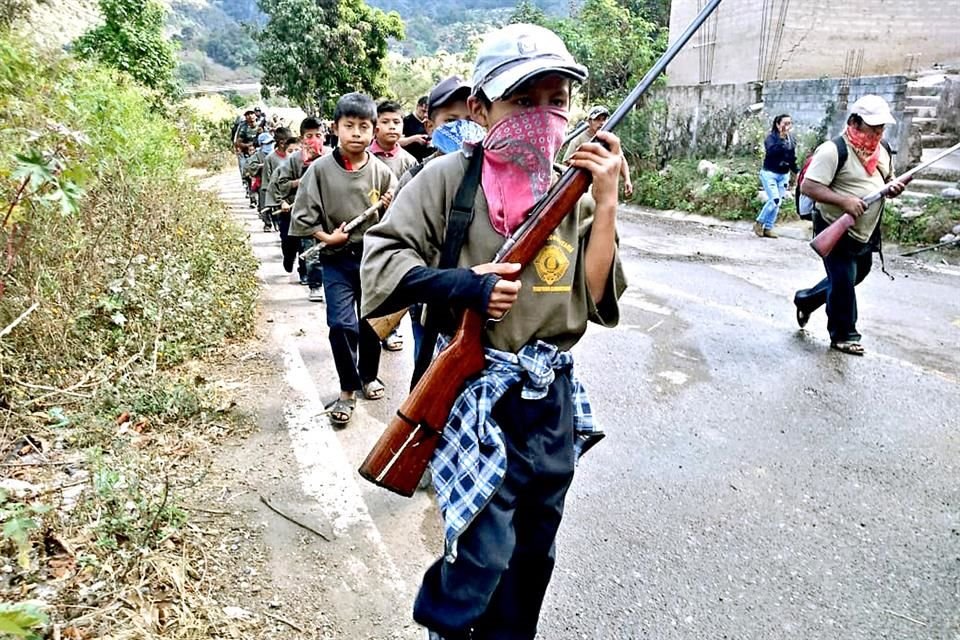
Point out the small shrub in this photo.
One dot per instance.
(731, 193)
(938, 216)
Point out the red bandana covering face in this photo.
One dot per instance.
(866, 145)
(314, 147)
(517, 168)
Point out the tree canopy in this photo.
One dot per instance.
(615, 42)
(313, 51)
(132, 40)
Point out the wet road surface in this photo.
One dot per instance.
(753, 483)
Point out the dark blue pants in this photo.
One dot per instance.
(289, 246)
(505, 558)
(354, 343)
(846, 266)
(416, 326)
(312, 268)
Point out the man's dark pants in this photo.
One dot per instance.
(355, 345)
(847, 265)
(505, 558)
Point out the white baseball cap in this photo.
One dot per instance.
(874, 110)
(512, 55)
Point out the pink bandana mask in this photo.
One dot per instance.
(517, 168)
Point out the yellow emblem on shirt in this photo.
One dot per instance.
(552, 264)
(374, 196)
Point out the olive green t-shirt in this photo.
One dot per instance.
(330, 195)
(852, 180)
(554, 304)
(289, 171)
(586, 136)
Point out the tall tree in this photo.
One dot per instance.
(615, 42)
(131, 39)
(313, 51)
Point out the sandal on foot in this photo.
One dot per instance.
(342, 410)
(803, 317)
(850, 348)
(393, 343)
(373, 390)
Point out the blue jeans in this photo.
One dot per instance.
(312, 268)
(775, 184)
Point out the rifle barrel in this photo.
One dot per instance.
(621, 112)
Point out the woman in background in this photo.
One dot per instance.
(778, 162)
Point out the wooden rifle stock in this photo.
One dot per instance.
(401, 455)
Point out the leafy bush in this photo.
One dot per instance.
(731, 193)
(105, 233)
(938, 216)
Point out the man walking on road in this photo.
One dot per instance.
(837, 187)
(596, 118)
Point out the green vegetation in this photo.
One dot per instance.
(131, 40)
(936, 218)
(313, 53)
(730, 194)
(118, 272)
(618, 45)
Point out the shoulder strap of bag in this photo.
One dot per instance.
(458, 221)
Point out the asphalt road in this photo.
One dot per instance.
(753, 483)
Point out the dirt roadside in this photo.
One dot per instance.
(313, 552)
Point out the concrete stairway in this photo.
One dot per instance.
(923, 98)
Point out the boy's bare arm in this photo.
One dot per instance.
(604, 163)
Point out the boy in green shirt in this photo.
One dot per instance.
(336, 189)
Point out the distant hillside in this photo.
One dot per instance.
(214, 45)
(450, 25)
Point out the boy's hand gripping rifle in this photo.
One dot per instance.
(399, 458)
(350, 226)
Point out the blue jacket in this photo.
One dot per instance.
(781, 155)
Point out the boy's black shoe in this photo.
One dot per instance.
(288, 261)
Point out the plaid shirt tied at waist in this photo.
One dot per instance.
(471, 460)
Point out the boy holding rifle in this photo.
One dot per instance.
(288, 178)
(334, 190)
(508, 451)
(838, 189)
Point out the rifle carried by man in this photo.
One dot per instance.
(401, 455)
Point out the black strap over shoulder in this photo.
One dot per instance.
(458, 222)
(461, 213)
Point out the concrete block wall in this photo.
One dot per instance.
(713, 120)
(701, 120)
(894, 36)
